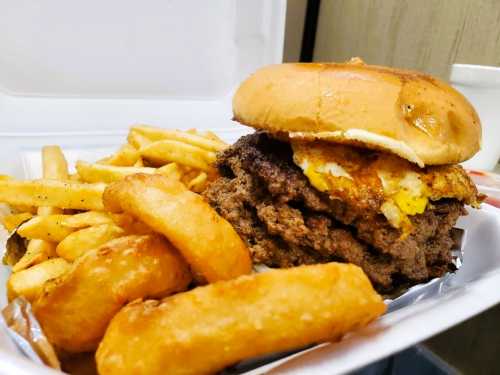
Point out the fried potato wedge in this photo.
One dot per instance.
(62, 194)
(48, 228)
(157, 134)
(86, 219)
(107, 173)
(222, 323)
(166, 151)
(37, 251)
(75, 309)
(208, 242)
(29, 282)
(83, 240)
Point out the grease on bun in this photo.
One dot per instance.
(413, 115)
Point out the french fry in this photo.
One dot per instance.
(79, 242)
(11, 222)
(37, 251)
(166, 151)
(47, 228)
(55, 167)
(198, 183)
(29, 282)
(22, 208)
(139, 163)
(156, 134)
(171, 170)
(126, 156)
(54, 163)
(137, 139)
(106, 173)
(213, 136)
(62, 194)
(86, 219)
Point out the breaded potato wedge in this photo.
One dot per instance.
(209, 243)
(211, 327)
(75, 309)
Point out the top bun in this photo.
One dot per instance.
(413, 115)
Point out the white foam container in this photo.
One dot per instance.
(78, 74)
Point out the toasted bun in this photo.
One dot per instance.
(413, 115)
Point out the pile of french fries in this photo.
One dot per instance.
(61, 216)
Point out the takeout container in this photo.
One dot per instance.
(78, 74)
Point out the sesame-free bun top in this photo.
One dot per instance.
(413, 115)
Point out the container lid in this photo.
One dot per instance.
(94, 65)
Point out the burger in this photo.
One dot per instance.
(351, 163)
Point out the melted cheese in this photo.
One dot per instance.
(335, 170)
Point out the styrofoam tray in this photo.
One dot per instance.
(474, 288)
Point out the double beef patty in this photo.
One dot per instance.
(286, 222)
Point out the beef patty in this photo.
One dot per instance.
(287, 222)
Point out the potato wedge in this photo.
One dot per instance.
(107, 173)
(157, 134)
(37, 251)
(29, 282)
(62, 194)
(79, 242)
(48, 228)
(166, 151)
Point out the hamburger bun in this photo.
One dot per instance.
(413, 115)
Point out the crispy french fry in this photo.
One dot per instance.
(37, 251)
(198, 183)
(171, 170)
(106, 173)
(4, 177)
(126, 156)
(213, 136)
(54, 163)
(78, 243)
(156, 134)
(166, 151)
(54, 167)
(11, 222)
(62, 194)
(22, 208)
(29, 282)
(47, 228)
(139, 163)
(86, 219)
(137, 139)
